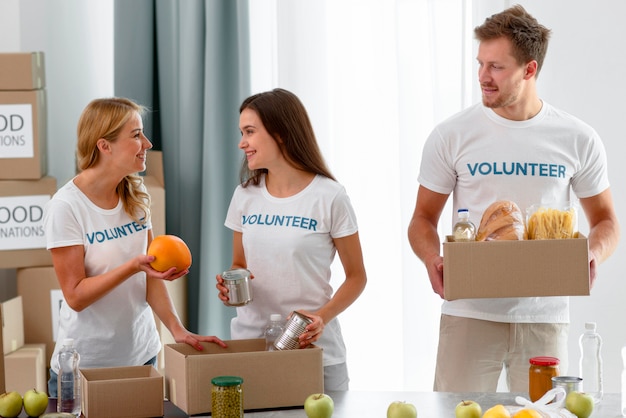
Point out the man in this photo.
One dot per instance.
(512, 125)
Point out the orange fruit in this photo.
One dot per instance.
(170, 251)
(497, 411)
(527, 413)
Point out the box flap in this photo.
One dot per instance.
(12, 325)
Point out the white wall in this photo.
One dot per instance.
(583, 74)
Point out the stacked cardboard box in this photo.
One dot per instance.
(24, 190)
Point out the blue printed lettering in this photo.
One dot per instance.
(517, 169)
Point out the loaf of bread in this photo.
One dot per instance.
(502, 220)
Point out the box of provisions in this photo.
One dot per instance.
(524, 268)
(270, 379)
(122, 392)
(22, 71)
(22, 238)
(23, 134)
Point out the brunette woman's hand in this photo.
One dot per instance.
(313, 331)
(223, 290)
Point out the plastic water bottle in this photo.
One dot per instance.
(590, 366)
(69, 394)
(624, 382)
(464, 230)
(273, 330)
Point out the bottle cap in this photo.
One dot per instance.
(276, 317)
(591, 326)
(544, 361)
(227, 380)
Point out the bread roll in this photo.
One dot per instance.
(502, 220)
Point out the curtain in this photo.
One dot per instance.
(375, 77)
(187, 61)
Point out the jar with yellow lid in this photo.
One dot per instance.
(227, 397)
(542, 370)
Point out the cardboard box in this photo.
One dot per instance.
(501, 269)
(24, 200)
(12, 325)
(26, 369)
(122, 392)
(23, 134)
(22, 71)
(37, 287)
(2, 384)
(270, 379)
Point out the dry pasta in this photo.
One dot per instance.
(549, 223)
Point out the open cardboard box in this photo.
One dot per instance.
(122, 392)
(528, 268)
(271, 379)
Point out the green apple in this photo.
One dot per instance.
(400, 409)
(10, 404)
(319, 405)
(35, 402)
(579, 404)
(468, 409)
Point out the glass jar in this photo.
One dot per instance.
(542, 370)
(227, 397)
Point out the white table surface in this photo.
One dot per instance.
(364, 404)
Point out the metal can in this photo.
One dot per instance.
(568, 383)
(542, 370)
(295, 326)
(237, 281)
(227, 397)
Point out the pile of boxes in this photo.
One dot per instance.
(24, 190)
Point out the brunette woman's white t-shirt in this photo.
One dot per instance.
(119, 328)
(288, 244)
(481, 157)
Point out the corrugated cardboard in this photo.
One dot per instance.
(26, 369)
(271, 379)
(2, 385)
(22, 71)
(13, 325)
(122, 392)
(32, 167)
(26, 257)
(34, 285)
(500, 269)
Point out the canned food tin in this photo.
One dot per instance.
(227, 397)
(237, 281)
(568, 383)
(295, 326)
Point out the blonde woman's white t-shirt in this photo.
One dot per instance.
(288, 244)
(481, 157)
(119, 328)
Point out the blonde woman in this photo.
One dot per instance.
(98, 230)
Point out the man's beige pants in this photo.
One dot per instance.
(473, 352)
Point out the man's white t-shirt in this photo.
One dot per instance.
(118, 329)
(481, 157)
(288, 244)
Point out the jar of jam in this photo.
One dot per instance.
(542, 370)
(227, 397)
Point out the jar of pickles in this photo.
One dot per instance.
(542, 370)
(227, 397)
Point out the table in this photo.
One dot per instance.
(369, 404)
(363, 404)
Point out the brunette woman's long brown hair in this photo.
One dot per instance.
(284, 117)
(105, 118)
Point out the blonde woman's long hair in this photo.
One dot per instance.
(105, 118)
